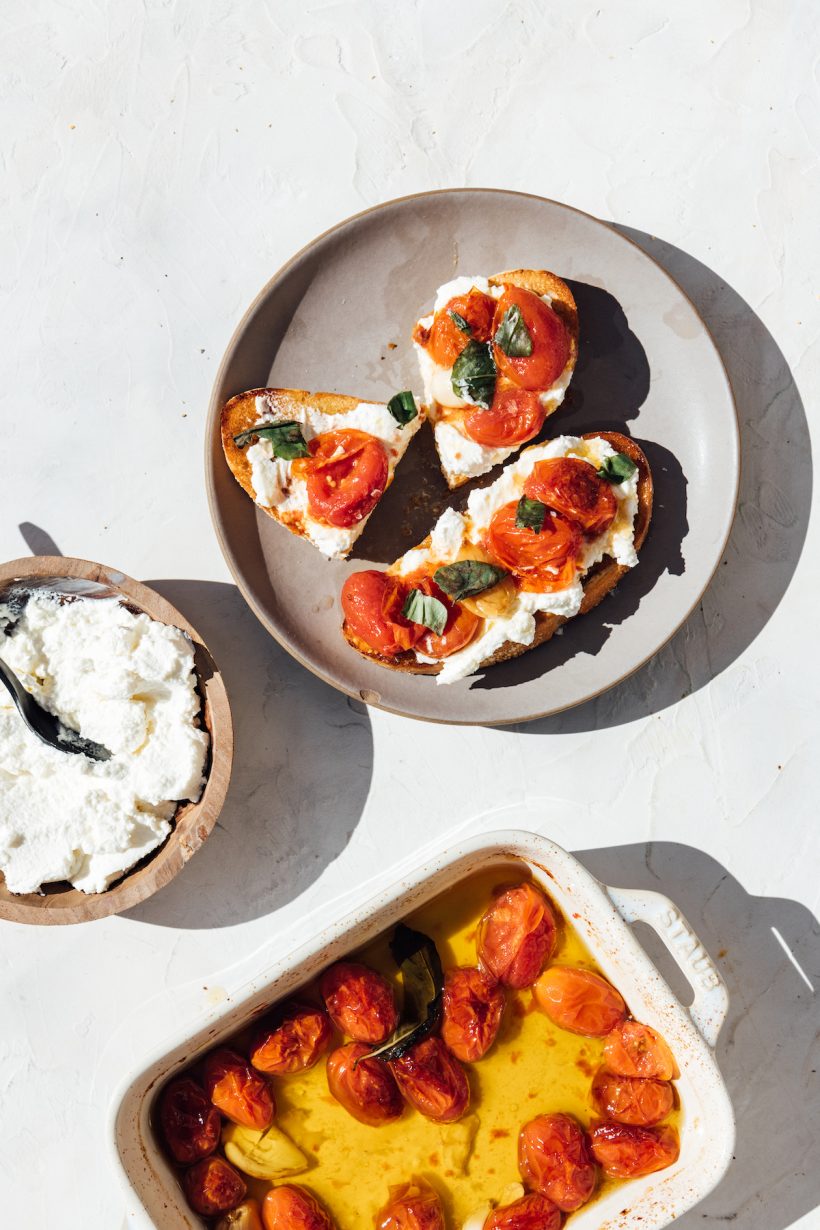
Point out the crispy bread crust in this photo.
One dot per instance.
(599, 581)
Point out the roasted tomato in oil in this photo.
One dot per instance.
(550, 341)
(625, 1152)
(579, 1000)
(246, 1216)
(572, 487)
(516, 936)
(542, 560)
(213, 1186)
(473, 1004)
(189, 1122)
(631, 1099)
(433, 1081)
(293, 1208)
(347, 473)
(372, 604)
(292, 1040)
(412, 1206)
(555, 1159)
(513, 417)
(447, 339)
(531, 1212)
(359, 1001)
(633, 1049)
(364, 1086)
(241, 1094)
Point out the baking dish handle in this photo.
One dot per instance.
(711, 1003)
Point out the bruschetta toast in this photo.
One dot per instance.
(317, 462)
(496, 356)
(549, 539)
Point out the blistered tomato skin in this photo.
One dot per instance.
(515, 416)
(626, 1152)
(412, 1206)
(633, 1049)
(365, 1087)
(572, 487)
(473, 1006)
(292, 1040)
(372, 603)
(447, 340)
(189, 1122)
(433, 1081)
(631, 1099)
(541, 562)
(293, 1208)
(212, 1186)
(516, 936)
(359, 1001)
(531, 1212)
(579, 1000)
(550, 341)
(346, 476)
(555, 1159)
(238, 1091)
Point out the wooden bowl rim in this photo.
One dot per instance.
(193, 822)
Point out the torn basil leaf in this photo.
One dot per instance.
(467, 577)
(617, 469)
(403, 407)
(422, 981)
(530, 515)
(459, 322)
(512, 335)
(286, 438)
(424, 609)
(473, 375)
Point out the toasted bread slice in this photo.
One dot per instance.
(462, 458)
(273, 485)
(598, 581)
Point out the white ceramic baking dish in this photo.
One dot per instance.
(601, 915)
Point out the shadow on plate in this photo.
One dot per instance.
(769, 528)
(769, 953)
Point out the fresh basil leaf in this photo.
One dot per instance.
(424, 609)
(617, 469)
(286, 438)
(459, 322)
(473, 375)
(530, 515)
(422, 980)
(403, 407)
(467, 577)
(512, 335)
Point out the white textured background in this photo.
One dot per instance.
(159, 162)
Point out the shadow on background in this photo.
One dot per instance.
(303, 760)
(770, 526)
(769, 953)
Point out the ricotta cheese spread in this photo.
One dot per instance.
(123, 680)
(272, 478)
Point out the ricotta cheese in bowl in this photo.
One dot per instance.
(124, 680)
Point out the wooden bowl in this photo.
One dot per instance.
(59, 902)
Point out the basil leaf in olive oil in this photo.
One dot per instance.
(512, 335)
(422, 980)
(459, 322)
(403, 407)
(617, 469)
(424, 609)
(530, 515)
(473, 376)
(286, 439)
(467, 577)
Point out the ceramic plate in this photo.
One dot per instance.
(338, 317)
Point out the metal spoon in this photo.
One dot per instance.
(45, 725)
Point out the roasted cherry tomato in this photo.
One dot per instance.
(633, 1049)
(359, 1001)
(293, 1208)
(550, 341)
(531, 1212)
(516, 936)
(515, 416)
(213, 1186)
(189, 1122)
(447, 340)
(579, 1000)
(554, 1158)
(472, 1008)
(433, 1081)
(292, 1040)
(241, 1094)
(346, 476)
(541, 561)
(625, 1152)
(246, 1216)
(365, 1086)
(631, 1099)
(372, 603)
(412, 1206)
(572, 487)
(461, 627)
